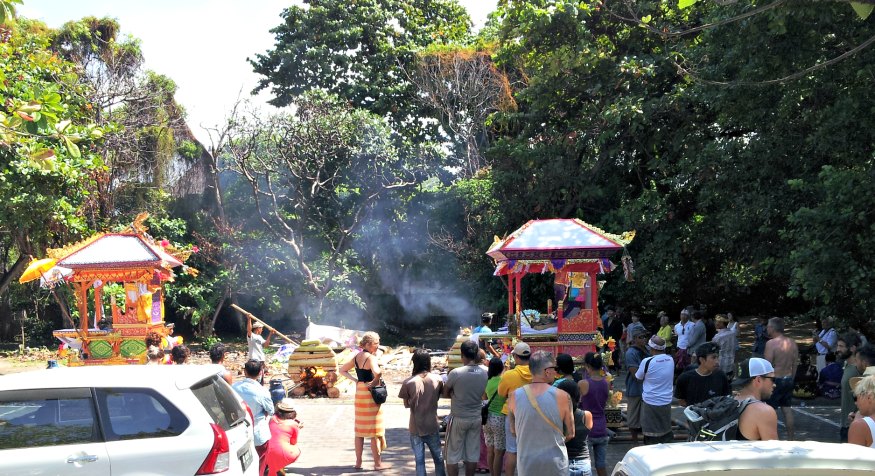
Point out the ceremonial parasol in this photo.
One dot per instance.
(36, 269)
(48, 274)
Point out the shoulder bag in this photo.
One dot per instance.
(537, 407)
(378, 392)
(484, 412)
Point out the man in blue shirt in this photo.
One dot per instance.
(488, 345)
(259, 401)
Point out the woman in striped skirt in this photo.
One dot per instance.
(368, 415)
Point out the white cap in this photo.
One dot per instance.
(750, 368)
(522, 349)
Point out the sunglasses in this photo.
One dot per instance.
(770, 378)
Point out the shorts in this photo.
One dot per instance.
(494, 431)
(598, 450)
(783, 392)
(463, 440)
(509, 437)
(633, 413)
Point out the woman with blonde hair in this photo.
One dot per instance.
(862, 430)
(368, 414)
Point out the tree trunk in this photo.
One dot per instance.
(12, 273)
(205, 329)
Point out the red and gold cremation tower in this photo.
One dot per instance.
(576, 253)
(141, 266)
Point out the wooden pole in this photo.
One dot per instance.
(251, 316)
(23, 317)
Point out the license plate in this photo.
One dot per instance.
(246, 459)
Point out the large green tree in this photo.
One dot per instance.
(360, 51)
(48, 159)
(690, 126)
(146, 126)
(313, 178)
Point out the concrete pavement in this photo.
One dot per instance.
(327, 444)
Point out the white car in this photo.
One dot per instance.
(748, 458)
(124, 420)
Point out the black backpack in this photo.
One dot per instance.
(715, 419)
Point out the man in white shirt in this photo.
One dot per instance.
(657, 372)
(255, 341)
(682, 330)
(825, 341)
(256, 344)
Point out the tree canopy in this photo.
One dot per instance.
(733, 136)
(359, 52)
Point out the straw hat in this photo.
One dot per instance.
(286, 405)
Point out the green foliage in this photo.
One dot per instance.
(193, 298)
(7, 10)
(359, 51)
(740, 154)
(92, 40)
(189, 149)
(162, 85)
(611, 130)
(833, 244)
(208, 342)
(313, 179)
(47, 158)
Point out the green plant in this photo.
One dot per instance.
(208, 342)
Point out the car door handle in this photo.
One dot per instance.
(82, 459)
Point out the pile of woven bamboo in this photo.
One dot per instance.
(314, 354)
(454, 357)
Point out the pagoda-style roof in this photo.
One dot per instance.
(114, 251)
(558, 239)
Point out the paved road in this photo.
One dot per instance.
(327, 441)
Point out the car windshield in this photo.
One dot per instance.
(219, 400)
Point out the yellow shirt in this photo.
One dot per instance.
(665, 333)
(512, 380)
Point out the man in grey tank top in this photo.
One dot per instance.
(538, 412)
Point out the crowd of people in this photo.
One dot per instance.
(534, 413)
(559, 411)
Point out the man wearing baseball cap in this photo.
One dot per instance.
(256, 341)
(636, 353)
(511, 380)
(756, 380)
